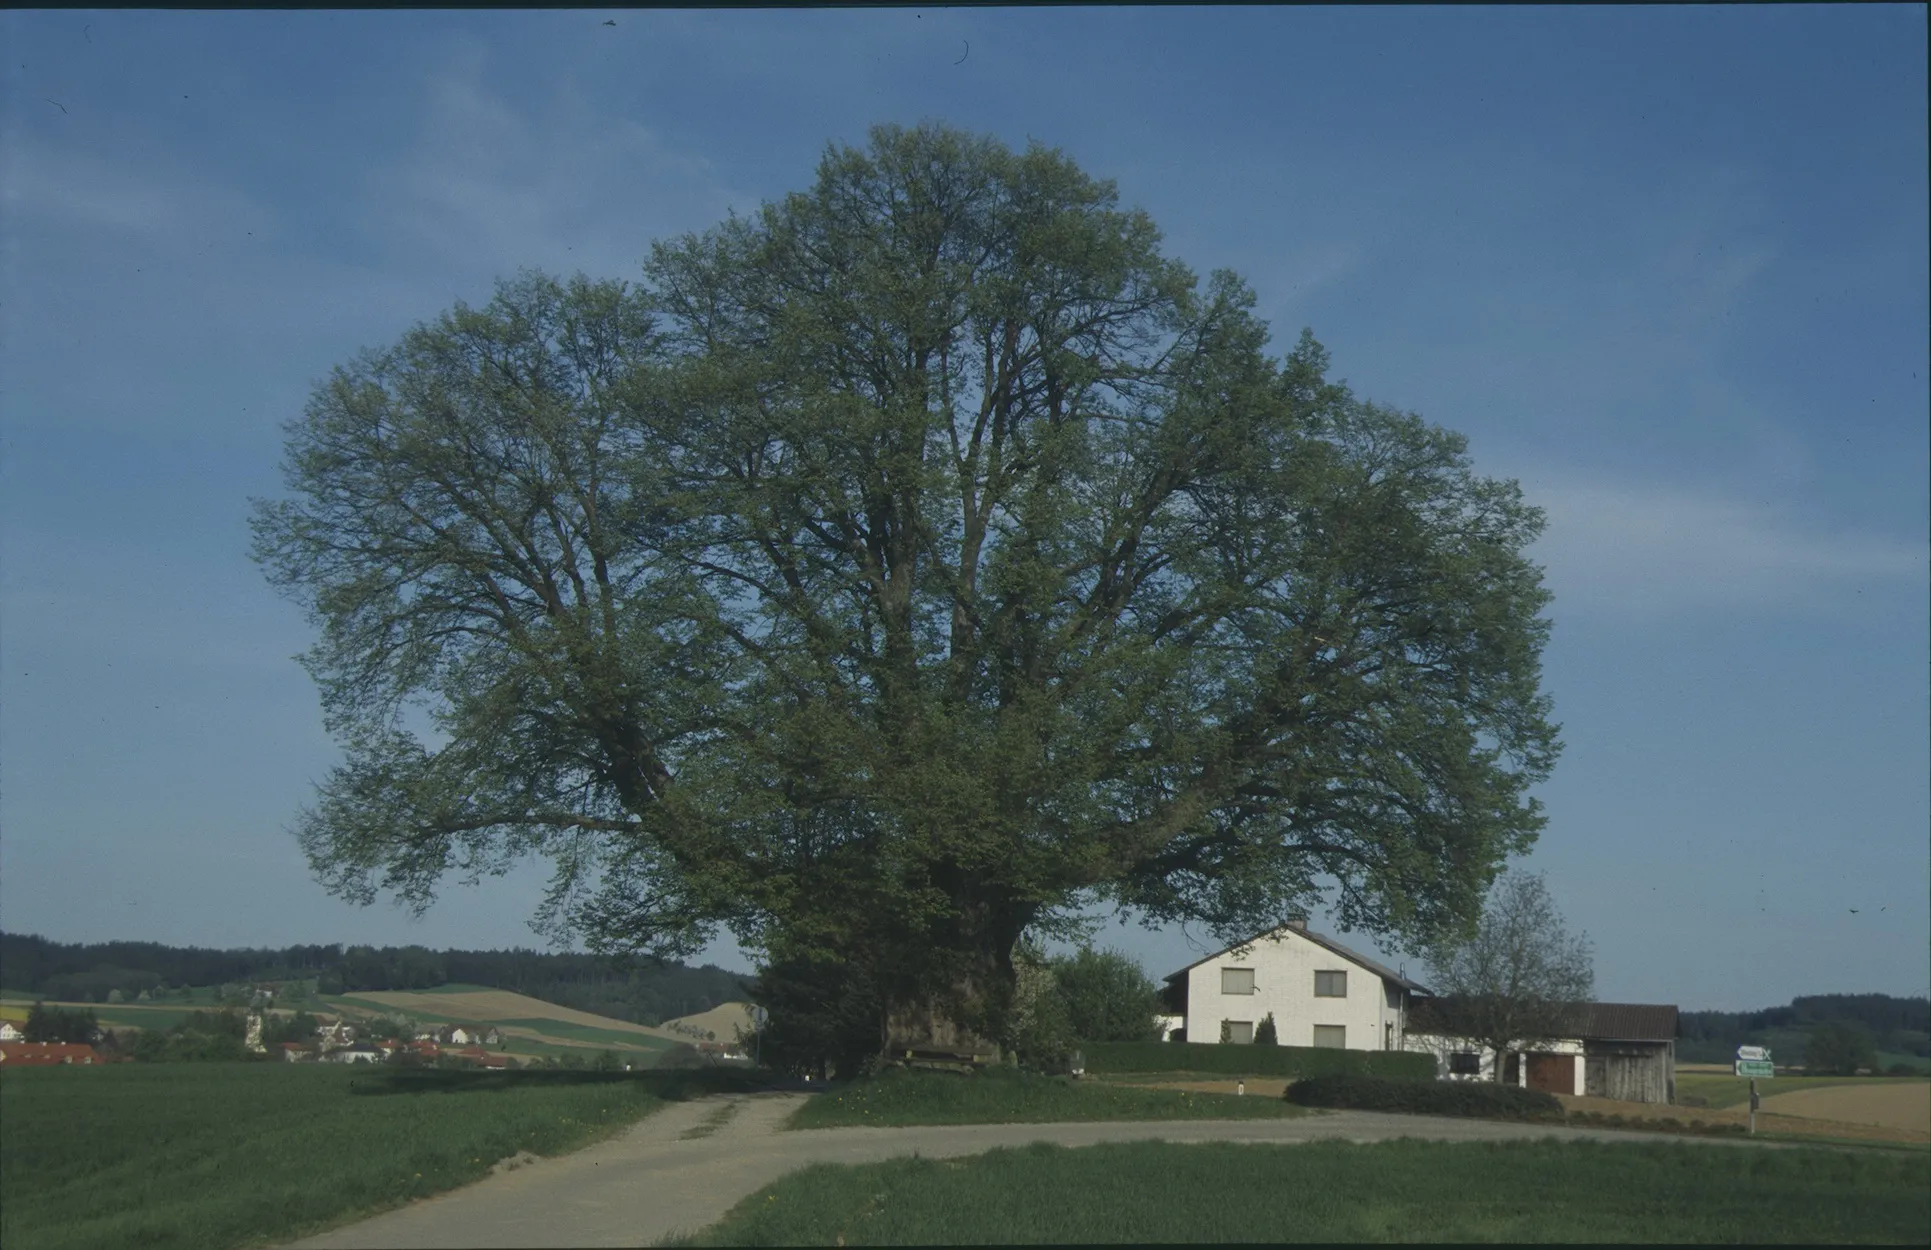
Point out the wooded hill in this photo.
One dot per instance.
(641, 991)
(1900, 1026)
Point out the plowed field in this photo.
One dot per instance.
(1902, 1104)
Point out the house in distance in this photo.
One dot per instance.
(1319, 992)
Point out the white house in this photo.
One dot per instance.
(1319, 992)
(8, 1033)
(354, 1054)
(331, 1036)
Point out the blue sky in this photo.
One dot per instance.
(1666, 266)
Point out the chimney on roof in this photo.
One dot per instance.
(1297, 923)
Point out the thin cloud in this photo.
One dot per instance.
(561, 184)
(67, 190)
(1644, 550)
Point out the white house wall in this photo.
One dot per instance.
(1284, 965)
(1442, 1047)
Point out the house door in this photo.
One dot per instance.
(1512, 1074)
(1552, 1074)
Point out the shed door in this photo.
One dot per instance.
(1552, 1074)
(1595, 1076)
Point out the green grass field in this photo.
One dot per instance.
(1003, 1096)
(1734, 1091)
(221, 1155)
(1336, 1191)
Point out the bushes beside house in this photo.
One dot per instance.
(1424, 1097)
(1292, 1062)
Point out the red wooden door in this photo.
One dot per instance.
(1552, 1074)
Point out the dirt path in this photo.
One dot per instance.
(1903, 1105)
(654, 1180)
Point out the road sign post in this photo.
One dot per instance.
(1753, 1107)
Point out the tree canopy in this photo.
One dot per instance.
(895, 570)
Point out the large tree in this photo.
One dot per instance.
(1521, 977)
(891, 573)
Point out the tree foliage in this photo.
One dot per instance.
(1265, 1034)
(824, 1017)
(1521, 977)
(60, 1024)
(1839, 1050)
(892, 572)
(1108, 998)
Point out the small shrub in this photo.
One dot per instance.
(1264, 1032)
(1463, 1098)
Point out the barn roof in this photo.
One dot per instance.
(1631, 1022)
(1606, 1022)
(1319, 939)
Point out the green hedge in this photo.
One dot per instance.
(1293, 1062)
(1469, 1098)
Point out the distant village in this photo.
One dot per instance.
(339, 1040)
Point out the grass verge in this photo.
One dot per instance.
(1004, 1096)
(221, 1155)
(1336, 1191)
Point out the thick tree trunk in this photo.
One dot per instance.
(963, 1006)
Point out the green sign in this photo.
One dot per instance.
(1756, 1067)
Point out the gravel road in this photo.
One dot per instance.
(651, 1181)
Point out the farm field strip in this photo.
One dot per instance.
(491, 1007)
(724, 1020)
(1725, 1090)
(1901, 1106)
(1767, 1121)
(1332, 1191)
(214, 1156)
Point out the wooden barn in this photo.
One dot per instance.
(1625, 1051)
(1629, 1052)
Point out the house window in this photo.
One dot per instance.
(1330, 985)
(1241, 1031)
(1332, 1036)
(1465, 1063)
(1237, 980)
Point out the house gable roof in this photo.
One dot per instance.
(1319, 939)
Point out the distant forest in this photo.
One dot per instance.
(1898, 1026)
(641, 991)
